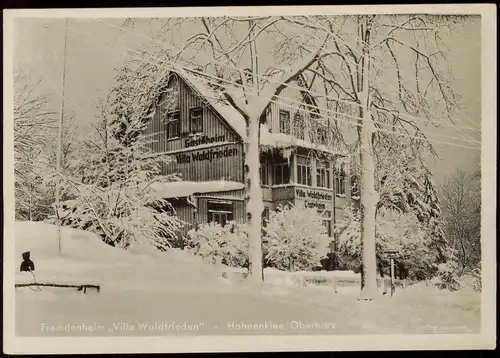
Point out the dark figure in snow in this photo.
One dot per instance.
(27, 265)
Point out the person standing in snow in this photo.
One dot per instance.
(27, 264)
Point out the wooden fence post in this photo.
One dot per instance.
(392, 276)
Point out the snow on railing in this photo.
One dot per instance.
(298, 278)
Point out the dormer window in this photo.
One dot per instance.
(321, 134)
(284, 121)
(195, 120)
(298, 126)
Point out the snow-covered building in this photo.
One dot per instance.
(300, 161)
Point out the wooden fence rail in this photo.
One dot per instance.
(40, 284)
(332, 279)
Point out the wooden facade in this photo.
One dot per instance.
(218, 162)
(205, 148)
(185, 99)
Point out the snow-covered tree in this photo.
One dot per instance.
(395, 230)
(461, 205)
(111, 187)
(297, 239)
(404, 183)
(389, 72)
(477, 277)
(33, 196)
(33, 122)
(71, 141)
(448, 272)
(227, 245)
(139, 86)
(111, 190)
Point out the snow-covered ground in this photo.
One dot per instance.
(85, 259)
(146, 292)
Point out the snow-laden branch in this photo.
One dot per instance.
(286, 77)
(402, 26)
(332, 82)
(293, 71)
(237, 104)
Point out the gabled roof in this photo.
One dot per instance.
(235, 120)
(215, 99)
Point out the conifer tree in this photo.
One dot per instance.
(114, 186)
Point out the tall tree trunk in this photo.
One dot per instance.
(253, 198)
(368, 193)
(255, 205)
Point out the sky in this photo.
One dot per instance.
(96, 47)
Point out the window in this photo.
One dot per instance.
(323, 174)
(321, 134)
(264, 174)
(281, 173)
(173, 125)
(220, 211)
(195, 120)
(284, 121)
(340, 180)
(170, 100)
(304, 171)
(327, 222)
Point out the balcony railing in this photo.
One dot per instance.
(295, 191)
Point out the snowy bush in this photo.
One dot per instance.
(448, 273)
(297, 239)
(220, 244)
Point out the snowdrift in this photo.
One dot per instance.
(41, 239)
(87, 260)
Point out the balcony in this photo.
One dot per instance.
(311, 196)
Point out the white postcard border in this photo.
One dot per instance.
(486, 339)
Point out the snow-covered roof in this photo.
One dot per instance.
(237, 122)
(281, 140)
(180, 189)
(217, 101)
